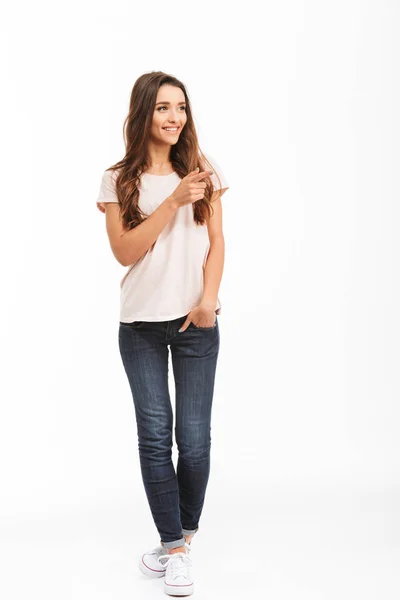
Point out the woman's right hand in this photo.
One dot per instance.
(190, 189)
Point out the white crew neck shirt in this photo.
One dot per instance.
(167, 281)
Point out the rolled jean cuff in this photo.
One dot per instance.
(174, 544)
(189, 531)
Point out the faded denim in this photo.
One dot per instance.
(175, 499)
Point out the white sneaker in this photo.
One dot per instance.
(178, 580)
(149, 564)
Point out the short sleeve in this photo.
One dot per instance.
(107, 190)
(218, 169)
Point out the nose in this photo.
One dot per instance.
(173, 116)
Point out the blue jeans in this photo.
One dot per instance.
(176, 499)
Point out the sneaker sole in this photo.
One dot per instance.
(179, 590)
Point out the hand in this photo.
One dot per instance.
(202, 315)
(190, 189)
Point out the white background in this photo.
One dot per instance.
(298, 103)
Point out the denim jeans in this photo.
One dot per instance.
(175, 499)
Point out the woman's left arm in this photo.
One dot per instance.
(215, 260)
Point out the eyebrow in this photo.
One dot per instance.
(169, 103)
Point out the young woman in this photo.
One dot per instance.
(162, 203)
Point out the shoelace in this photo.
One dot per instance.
(179, 562)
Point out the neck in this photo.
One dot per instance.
(159, 155)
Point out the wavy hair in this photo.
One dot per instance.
(185, 154)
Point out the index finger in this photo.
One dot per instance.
(198, 176)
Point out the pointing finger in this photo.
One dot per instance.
(196, 176)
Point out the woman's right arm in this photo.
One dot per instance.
(129, 246)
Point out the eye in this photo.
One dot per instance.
(160, 107)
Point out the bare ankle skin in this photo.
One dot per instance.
(173, 550)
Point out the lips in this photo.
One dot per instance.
(171, 130)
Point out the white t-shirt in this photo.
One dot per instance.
(167, 281)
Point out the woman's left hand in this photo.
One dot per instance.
(202, 315)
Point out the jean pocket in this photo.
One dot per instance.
(191, 324)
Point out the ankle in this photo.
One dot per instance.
(173, 550)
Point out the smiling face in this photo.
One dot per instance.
(169, 115)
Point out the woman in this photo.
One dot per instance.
(164, 220)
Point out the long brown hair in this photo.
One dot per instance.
(185, 154)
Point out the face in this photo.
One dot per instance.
(169, 112)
